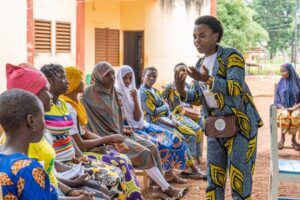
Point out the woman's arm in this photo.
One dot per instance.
(137, 114)
(92, 143)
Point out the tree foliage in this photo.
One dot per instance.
(276, 16)
(240, 30)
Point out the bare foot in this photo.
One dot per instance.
(281, 144)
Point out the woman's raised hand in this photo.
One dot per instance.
(198, 76)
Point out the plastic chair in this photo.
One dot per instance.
(280, 170)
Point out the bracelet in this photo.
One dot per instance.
(69, 191)
(209, 80)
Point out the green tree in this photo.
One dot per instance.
(277, 18)
(240, 30)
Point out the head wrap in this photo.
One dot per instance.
(74, 77)
(126, 98)
(288, 89)
(25, 77)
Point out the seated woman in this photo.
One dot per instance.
(21, 116)
(32, 80)
(105, 118)
(171, 96)
(287, 100)
(59, 122)
(172, 149)
(157, 112)
(88, 141)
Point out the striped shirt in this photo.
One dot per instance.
(59, 122)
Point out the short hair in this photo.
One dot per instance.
(149, 69)
(15, 106)
(51, 70)
(179, 64)
(213, 23)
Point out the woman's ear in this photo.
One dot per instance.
(216, 37)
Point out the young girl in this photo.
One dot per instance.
(21, 116)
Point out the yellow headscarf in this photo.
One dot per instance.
(74, 77)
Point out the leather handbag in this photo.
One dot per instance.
(221, 127)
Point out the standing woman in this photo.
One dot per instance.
(172, 149)
(105, 118)
(22, 118)
(223, 72)
(287, 100)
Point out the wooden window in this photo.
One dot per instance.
(107, 46)
(42, 36)
(63, 37)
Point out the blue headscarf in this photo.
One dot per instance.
(288, 89)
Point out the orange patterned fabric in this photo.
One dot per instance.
(5, 180)
(21, 185)
(10, 196)
(39, 177)
(20, 164)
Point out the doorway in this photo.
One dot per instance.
(134, 53)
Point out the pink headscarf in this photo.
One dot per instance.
(25, 77)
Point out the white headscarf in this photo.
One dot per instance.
(126, 98)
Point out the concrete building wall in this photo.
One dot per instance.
(13, 47)
(61, 11)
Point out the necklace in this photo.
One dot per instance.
(61, 109)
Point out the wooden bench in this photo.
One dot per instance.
(143, 173)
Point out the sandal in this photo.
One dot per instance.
(182, 192)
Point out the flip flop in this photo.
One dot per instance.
(183, 192)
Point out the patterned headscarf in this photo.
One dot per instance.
(288, 89)
(74, 77)
(101, 104)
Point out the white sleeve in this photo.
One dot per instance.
(73, 114)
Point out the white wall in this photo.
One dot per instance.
(169, 38)
(56, 10)
(13, 23)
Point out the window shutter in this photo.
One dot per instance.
(42, 36)
(63, 37)
(107, 46)
(100, 45)
(113, 47)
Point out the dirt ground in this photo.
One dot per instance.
(262, 88)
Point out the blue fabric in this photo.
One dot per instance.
(172, 150)
(17, 168)
(288, 89)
